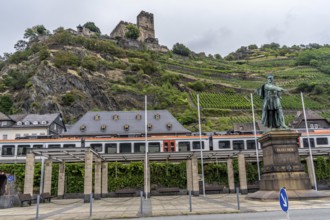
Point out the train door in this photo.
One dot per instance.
(169, 146)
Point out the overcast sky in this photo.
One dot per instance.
(212, 26)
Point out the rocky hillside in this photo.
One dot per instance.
(73, 74)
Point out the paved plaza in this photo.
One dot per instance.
(130, 207)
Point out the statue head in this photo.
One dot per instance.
(270, 78)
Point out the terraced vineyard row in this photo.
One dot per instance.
(237, 101)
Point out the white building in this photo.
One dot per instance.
(20, 126)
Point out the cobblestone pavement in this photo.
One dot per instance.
(130, 207)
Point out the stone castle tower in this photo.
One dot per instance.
(145, 23)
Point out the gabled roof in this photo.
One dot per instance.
(44, 120)
(4, 117)
(310, 115)
(114, 123)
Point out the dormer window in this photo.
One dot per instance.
(149, 126)
(19, 123)
(115, 117)
(43, 122)
(103, 127)
(96, 117)
(4, 123)
(157, 116)
(169, 126)
(27, 123)
(138, 117)
(35, 122)
(126, 127)
(82, 127)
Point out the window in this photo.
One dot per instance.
(19, 123)
(96, 117)
(169, 126)
(54, 146)
(149, 126)
(115, 117)
(138, 117)
(97, 147)
(17, 135)
(139, 147)
(37, 146)
(25, 135)
(125, 148)
(103, 127)
(69, 145)
(197, 145)
(22, 150)
(126, 127)
(322, 141)
(5, 136)
(157, 116)
(8, 150)
(82, 127)
(238, 145)
(250, 145)
(43, 122)
(42, 133)
(35, 122)
(306, 144)
(224, 144)
(110, 148)
(184, 146)
(27, 123)
(154, 147)
(4, 123)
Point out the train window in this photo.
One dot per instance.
(224, 144)
(250, 144)
(22, 150)
(54, 146)
(139, 147)
(306, 144)
(238, 145)
(110, 148)
(37, 146)
(184, 146)
(322, 141)
(69, 145)
(97, 147)
(8, 150)
(125, 148)
(197, 145)
(154, 147)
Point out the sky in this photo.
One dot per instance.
(210, 26)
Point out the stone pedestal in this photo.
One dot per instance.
(282, 167)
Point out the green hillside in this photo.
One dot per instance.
(74, 74)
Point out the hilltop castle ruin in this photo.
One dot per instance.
(145, 24)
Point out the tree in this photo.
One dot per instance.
(252, 47)
(132, 32)
(181, 49)
(20, 45)
(36, 31)
(6, 104)
(217, 56)
(92, 27)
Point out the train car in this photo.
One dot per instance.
(318, 139)
(235, 142)
(18, 149)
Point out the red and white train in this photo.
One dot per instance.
(17, 149)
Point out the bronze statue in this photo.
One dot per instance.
(272, 113)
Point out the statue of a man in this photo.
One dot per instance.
(272, 113)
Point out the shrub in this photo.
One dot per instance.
(197, 86)
(181, 49)
(64, 58)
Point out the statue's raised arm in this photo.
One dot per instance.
(272, 113)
